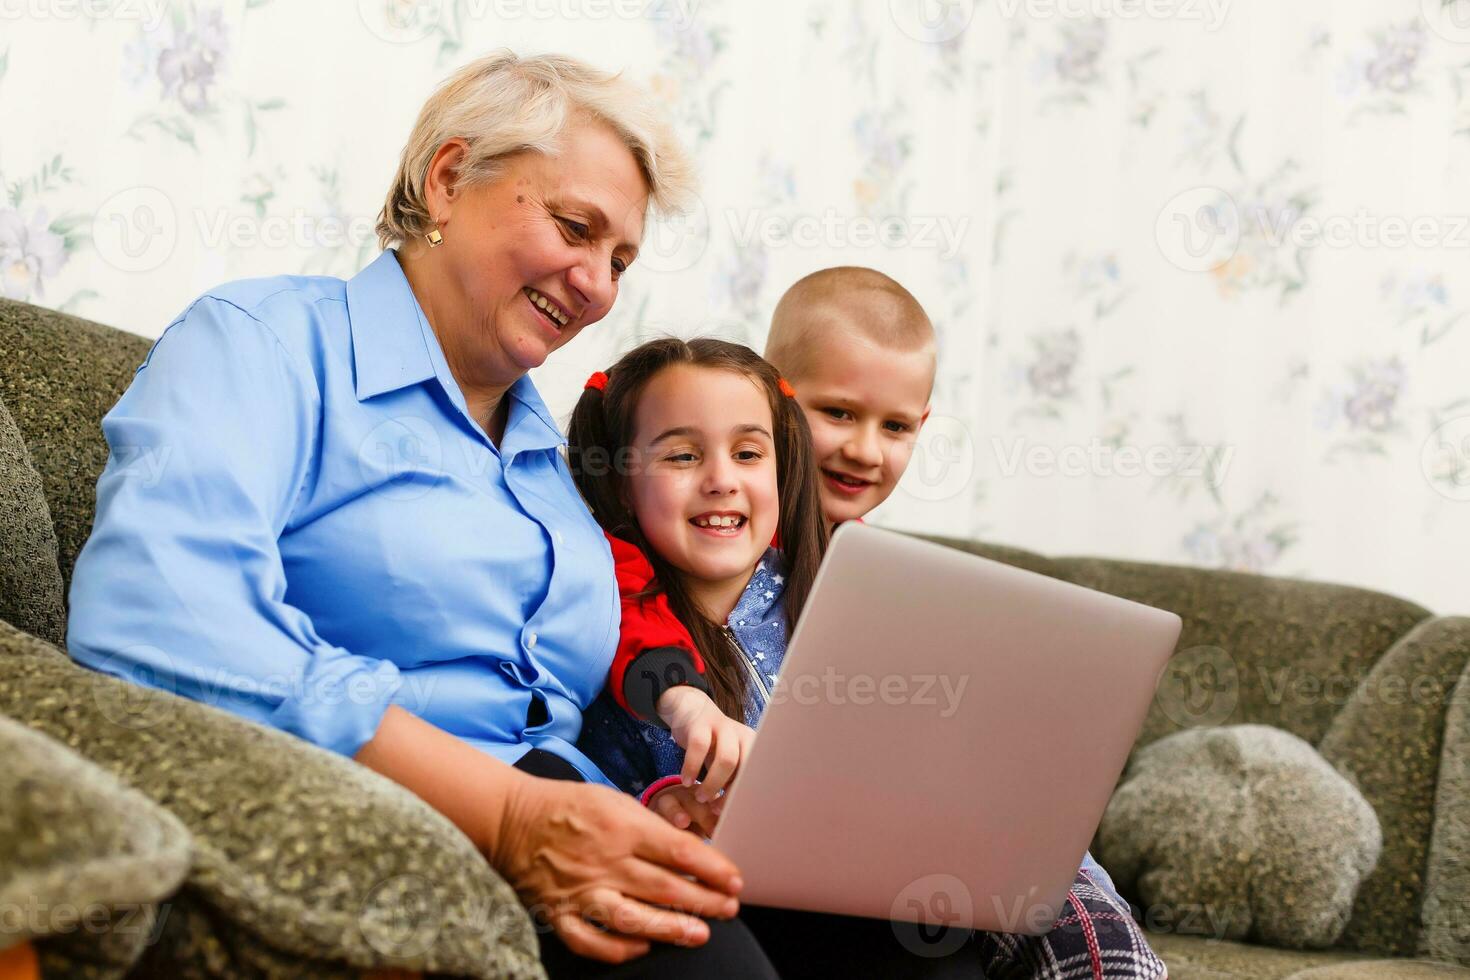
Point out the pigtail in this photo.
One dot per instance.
(801, 527)
(591, 456)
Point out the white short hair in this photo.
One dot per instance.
(503, 104)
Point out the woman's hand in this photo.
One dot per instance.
(711, 739)
(679, 806)
(574, 853)
(585, 856)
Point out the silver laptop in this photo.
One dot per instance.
(942, 740)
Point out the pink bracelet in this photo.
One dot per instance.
(657, 786)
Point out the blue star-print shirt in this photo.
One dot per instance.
(634, 753)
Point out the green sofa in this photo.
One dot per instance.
(234, 850)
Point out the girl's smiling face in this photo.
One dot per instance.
(703, 484)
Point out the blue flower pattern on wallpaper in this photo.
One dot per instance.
(1288, 383)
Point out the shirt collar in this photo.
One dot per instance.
(528, 437)
(391, 349)
(388, 346)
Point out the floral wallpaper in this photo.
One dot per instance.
(1198, 267)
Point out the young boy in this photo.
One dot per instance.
(860, 352)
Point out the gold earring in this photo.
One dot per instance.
(435, 238)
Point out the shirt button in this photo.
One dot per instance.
(531, 640)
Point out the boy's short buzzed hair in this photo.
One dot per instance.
(852, 298)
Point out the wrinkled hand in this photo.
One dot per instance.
(679, 806)
(585, 856)
(711, 739)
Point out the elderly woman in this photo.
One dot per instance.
(365, 534)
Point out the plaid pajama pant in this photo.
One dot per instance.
(1095, 938)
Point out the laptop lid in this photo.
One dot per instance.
(943, 738)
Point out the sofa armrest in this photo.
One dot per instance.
(1388, 739)
(301, 857)
(1446, 912)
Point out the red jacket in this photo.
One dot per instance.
(655, 650)
(651, 636)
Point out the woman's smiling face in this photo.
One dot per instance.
(535, 254)
(703, 483)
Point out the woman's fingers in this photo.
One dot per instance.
(627, 916)
(653, 885)
(683, 853)
(585, 939)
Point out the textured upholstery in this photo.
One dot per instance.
(304, 862)
(298, 854)
(58, 376)
(30, 583)
(1249, 824)
(86, 859)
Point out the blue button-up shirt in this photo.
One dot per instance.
(300, 522)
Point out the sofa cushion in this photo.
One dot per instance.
(83, 859)
(1255, 649)
(1246, 823)
(1019, 557)
(1199, 958)
(1385, 970)
(31, 595)
(59, 375)
(304, 862)
(1446, 911)
(1390, 739)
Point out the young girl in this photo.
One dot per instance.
(696, 456)
(691, 456)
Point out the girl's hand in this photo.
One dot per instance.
(678, 805)
(711, 739)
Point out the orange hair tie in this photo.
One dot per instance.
(786, 388)
(598, 380)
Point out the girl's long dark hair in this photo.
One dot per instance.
(598, 452)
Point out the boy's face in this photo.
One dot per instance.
(864, 404)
